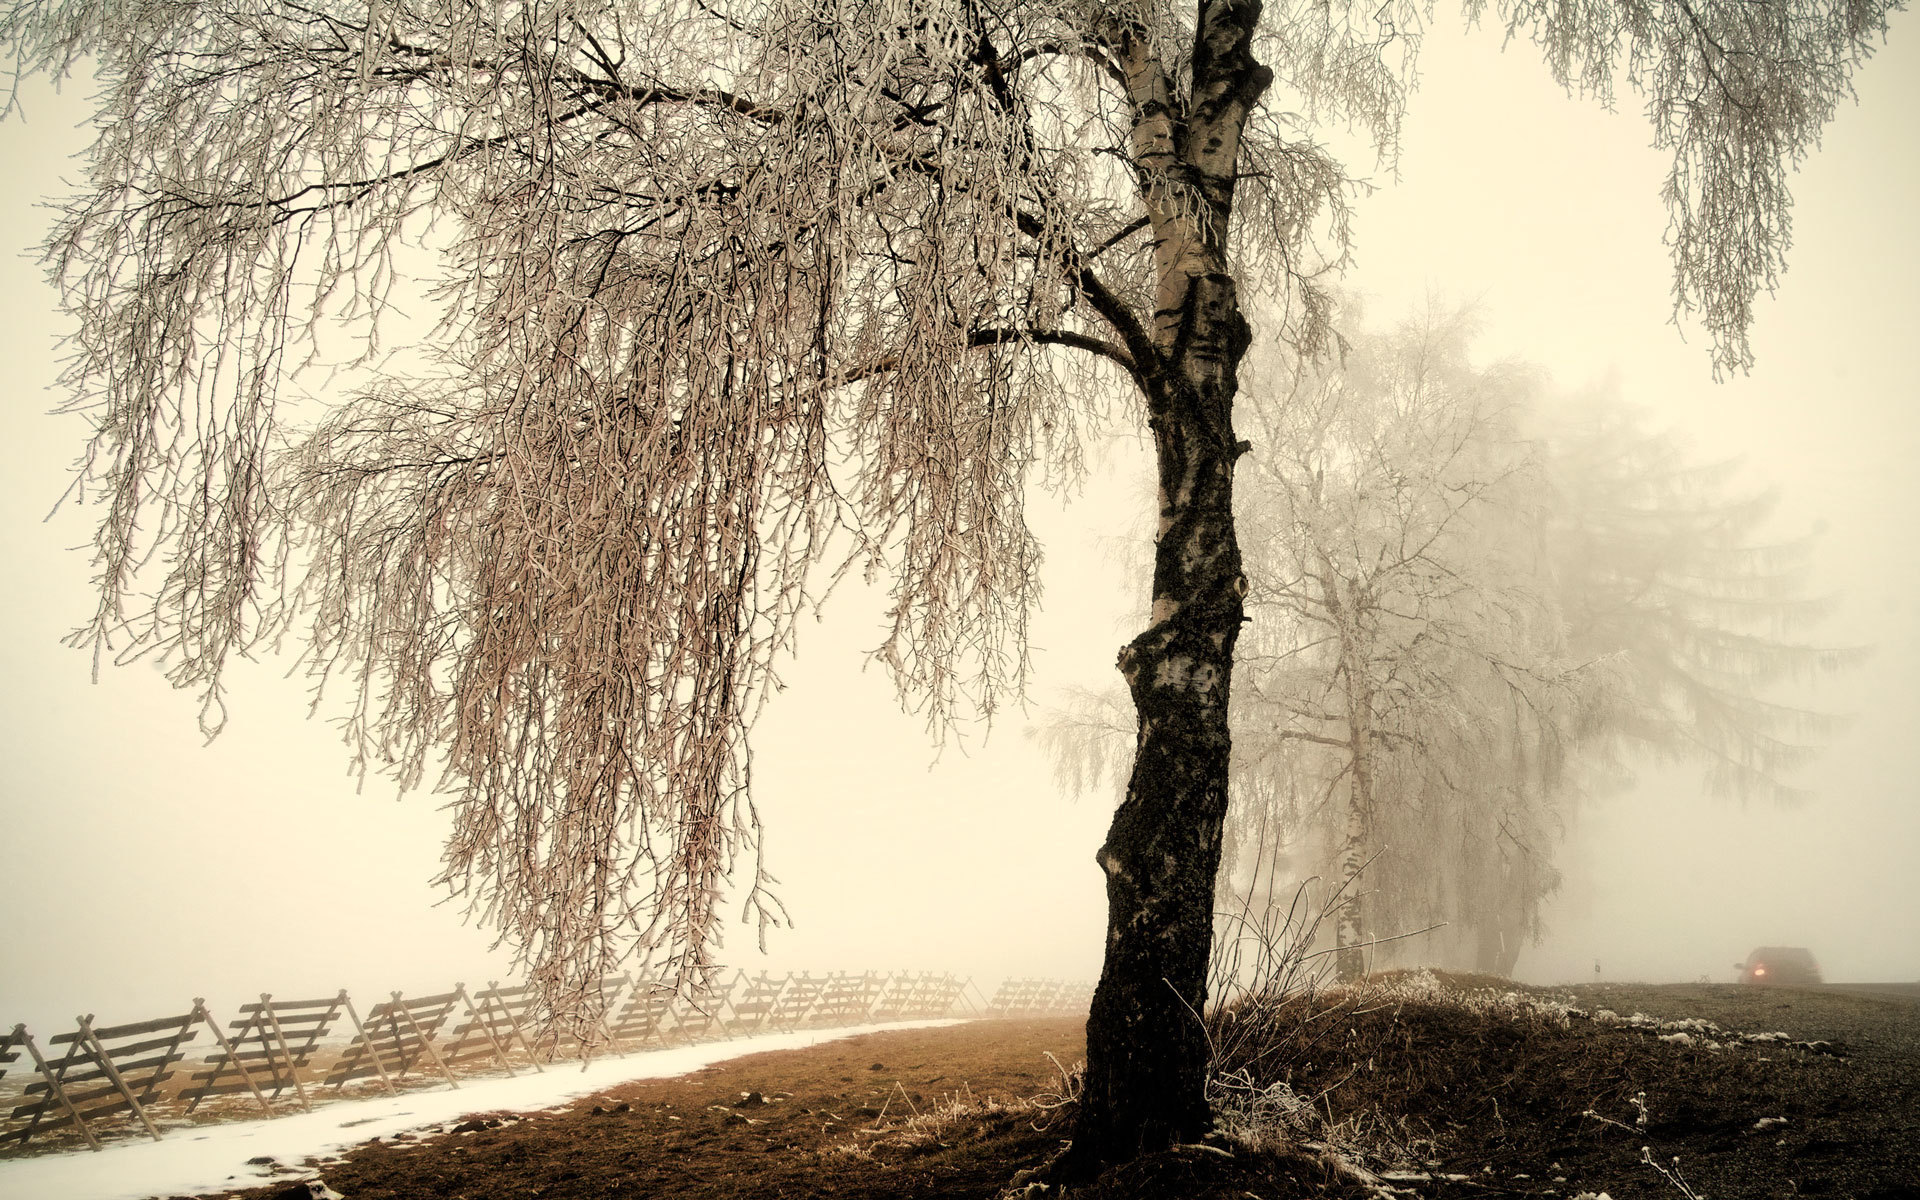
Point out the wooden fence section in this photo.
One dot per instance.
(272, 1044)
(1075, 997)
(940, 994)
(277, 1046)
(497, 1022)
(104, 1072)
(586, 1040)
(1014, 998)
(754, 1004)
(650, 1017)
(396, 1035)
(705, 1014)
(896, 991)
(797, 1003)
(848, 999)
(1039, 998)
(917, 997)
(1018, 998)
(10, 1043)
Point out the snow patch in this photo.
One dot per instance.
(237, 1154)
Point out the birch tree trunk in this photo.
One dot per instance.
(1344, 615)
(1356, 841)
(1350, 925)
(1147, 1051)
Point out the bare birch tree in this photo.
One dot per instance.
(718, 279)
(1475, 606)
(1405, 637)
(1470, 619)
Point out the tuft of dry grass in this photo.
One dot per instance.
(960, 1110)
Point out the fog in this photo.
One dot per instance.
(145, 868)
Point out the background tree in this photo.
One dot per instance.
(1687, 623)
(1474, 604)
(1405, 695)
(1667, 570)
(718, 281)
(1407, 672)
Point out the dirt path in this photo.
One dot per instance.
(857, 1118)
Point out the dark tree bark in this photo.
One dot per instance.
(1146, 1047)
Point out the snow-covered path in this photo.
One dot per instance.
(211, 1157)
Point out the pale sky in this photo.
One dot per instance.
(145, 869)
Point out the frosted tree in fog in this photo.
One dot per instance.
(1673, 574)
(1475, 605)
(1406, 692)
(731, 294)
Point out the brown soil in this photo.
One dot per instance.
(1520, 1102)
(852, 1119)
(1496, 1097)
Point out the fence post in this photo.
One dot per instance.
(53, 1083)
(493, 997)
(106, 1064)
(613, 1043)
(367, 1041)
(425, 1041)
(725, 1001)
(200, 1010)
(231, 1060)
(486, 1026)
(286, 1054)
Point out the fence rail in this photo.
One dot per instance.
(275, 1057)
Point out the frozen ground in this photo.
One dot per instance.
(214, 1157)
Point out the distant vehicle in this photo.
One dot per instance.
(1791, 965)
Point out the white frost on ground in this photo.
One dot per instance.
(206, 1158)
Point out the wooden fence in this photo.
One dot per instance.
(278, 1056)
(1040, 998)
(263, 1056)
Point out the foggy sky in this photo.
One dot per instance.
(144, 868)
